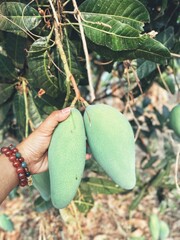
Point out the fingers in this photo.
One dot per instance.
(53, 119)
(88, 156)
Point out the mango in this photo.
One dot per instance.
(66, 157)
(175, 119)
(111, 141)
(41, 181)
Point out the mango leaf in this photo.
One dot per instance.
(100, 186)
(19, 111)
(40, 205)
(40, 63)
(154, 226)
(111, 33)
(5, 223)
(131, 12)
(4, 109)
(15, 46)
(148, 49)
(7, 69)
(6, 91)
(34, 113)
(84, 201)
(16, 16)
(164, 230)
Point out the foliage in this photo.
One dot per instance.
(35, 80)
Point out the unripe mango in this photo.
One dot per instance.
(66, 156)
(111, 140)
(41, 182)
(175, 119)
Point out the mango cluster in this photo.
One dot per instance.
(111, 141)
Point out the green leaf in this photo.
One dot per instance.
(167, 37)
(15, 48)
(40, 63)
(7, 69)
(164, 230)
(145, 68)
(154, 226)
(4, 109)
(84, 201)
(40, 205)
(5, 223)
(34, 113)
(6, 91)
(100, 186)
(18, 17)
(19, 111)
(111, 33)
(138, 199)
(131, 12)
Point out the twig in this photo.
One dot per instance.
(164, 83)
(176, 170)
(26, 107)
(88, 66)
(175, 55)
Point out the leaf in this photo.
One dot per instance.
(34, 113)
(84, 201)
(15, 48)
(4, 109)
(138, 199)
(6, 91)
(5, 223)
(40, 205)
(154, 226)
(100, 186)
(145, 68)
(19, 111)
(39, 62)
(7, 69)
(111, 33)
(131, 12)
(164, 230)
(167, 37)
(16, 16)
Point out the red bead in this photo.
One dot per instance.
(21, 175)
(23, 179)
(20, 170)
(12, 158)
(8, 153)
(23, 184)
(4, 149)
(21, 159)
(13, 154)
(16, 164)
(15, 150)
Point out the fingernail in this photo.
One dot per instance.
(66, 110)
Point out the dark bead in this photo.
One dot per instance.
(21, 159)
(12, 158)
(28, 174)
(8, 153)
(20, 170)
(18, 155)
(24, 164)
(4, 149)
(16, 164)
(14, 150)
(21, 175)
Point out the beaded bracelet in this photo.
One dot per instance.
(18, 162)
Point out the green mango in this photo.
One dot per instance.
(41, 181)
(164, 230)
(175, 119)
(111, 141)
(66, 156)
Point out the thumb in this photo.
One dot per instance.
(53, 119)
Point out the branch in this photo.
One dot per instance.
(88, 66)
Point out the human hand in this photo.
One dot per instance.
(34, 149)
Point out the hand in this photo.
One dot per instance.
(34, 149)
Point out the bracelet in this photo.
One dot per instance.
(18, 162)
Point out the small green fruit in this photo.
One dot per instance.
(66, 156)
(175, 119)
(111, 140)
